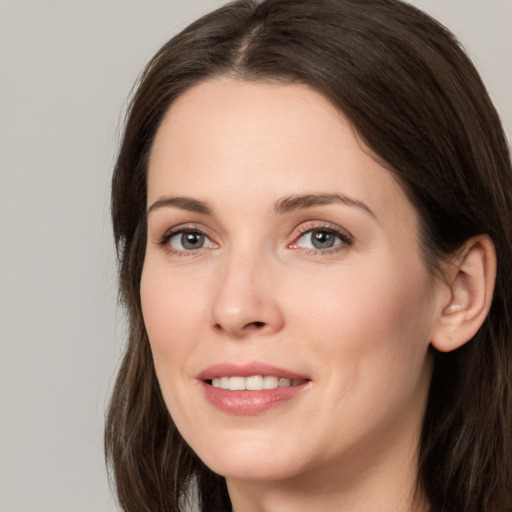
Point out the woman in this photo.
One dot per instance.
(311, 206)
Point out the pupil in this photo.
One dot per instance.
(322, 239)
(192, 240)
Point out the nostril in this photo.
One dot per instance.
(255, 325)
(250, 326)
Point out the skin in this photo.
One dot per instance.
(356, 319)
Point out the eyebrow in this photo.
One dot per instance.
(183, 203)
(284, 205)
(297, 202)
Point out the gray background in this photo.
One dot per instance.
(66, 68)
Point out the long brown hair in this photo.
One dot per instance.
(418, 103)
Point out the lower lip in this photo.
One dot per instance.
(250, 402)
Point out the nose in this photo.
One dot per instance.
(246, 301)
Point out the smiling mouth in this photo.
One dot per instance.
(253, 383)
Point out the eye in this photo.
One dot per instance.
(319, 239)
(188, 240)
(322, 239)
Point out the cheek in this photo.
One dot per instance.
(174, 318)
(369, 335)
(371, 323)
(173, 311)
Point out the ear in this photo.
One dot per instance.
(470, 281)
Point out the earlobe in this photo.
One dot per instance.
(471, 286)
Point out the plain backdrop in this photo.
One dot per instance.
(66, 69)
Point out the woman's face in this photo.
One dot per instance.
(281, 254)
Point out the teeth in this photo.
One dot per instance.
(254, 382)
(236, 383)
(270, 382)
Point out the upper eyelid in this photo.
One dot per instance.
(305, 227)
(180, 228)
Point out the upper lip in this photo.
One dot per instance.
(227, 369)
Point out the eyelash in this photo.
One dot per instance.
(165, 239)
(344, 237)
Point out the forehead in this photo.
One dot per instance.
(239, 114)
(225, 140)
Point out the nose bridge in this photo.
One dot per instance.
(244, 300)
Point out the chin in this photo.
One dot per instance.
(249, 460)
(255, 470)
